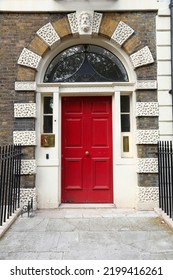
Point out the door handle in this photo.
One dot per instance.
(87, 153)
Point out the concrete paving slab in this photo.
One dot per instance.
(100, 238)
(41, 241)
(35, 224)
(12, 242)
(60, 225)
(143, 223)
(50, 256)
(81, 224)
(88, 255)
(169, 256)
(83, 233)
(68, 240)
(155, 256)
(22, 256)
(3, 256)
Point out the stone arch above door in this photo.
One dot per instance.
(87, 23)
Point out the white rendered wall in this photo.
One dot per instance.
(47, 186)
(47, 179)
(126, 185)
(164, 70)
(125, 176)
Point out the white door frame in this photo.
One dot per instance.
(80, 89)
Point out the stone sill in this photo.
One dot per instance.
(165, 217)
(9, 222)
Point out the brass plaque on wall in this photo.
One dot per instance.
(47, 140)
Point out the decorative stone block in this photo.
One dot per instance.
(25, 86)
(72, 18)
(147, 165)
(122, 33)
(24, 138)
(148, 84)
(147, 109)
(97, 18)
(29, 59)
(48, 34)
(28, 167)
(147, 136)
(25, 110)
(85, 21)
(148, 194)
(26, 195)
(142, 57)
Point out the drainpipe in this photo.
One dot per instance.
(171, 91)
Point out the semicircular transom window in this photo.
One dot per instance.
(85, 63)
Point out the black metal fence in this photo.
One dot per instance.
(165, 166)
(10, 168)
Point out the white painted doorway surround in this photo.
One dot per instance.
(48, 178)
(48, 175)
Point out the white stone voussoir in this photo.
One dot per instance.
(142, 57)
(73, 22)
(97, 18)
(48, 34)
(122, 33)
(29, 59)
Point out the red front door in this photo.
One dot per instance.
(87, 150)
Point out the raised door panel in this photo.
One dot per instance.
(73, 133)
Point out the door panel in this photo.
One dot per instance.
(87, 150)
(101, 174)
(73, 166)
(73, 139)
(99, 132)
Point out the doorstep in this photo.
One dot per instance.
(86, 205)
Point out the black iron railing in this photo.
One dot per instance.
(10, 168)
(28, 208)
(165, 171)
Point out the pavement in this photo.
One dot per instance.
(88, 234)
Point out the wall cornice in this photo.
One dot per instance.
(78, 5)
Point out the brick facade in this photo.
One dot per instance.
(18, 31)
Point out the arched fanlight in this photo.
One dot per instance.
(85, 63)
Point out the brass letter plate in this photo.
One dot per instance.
(47, 140)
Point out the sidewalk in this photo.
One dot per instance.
(86, 234)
